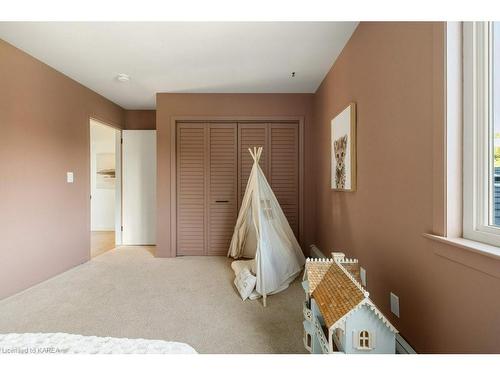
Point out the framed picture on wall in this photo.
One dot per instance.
(343, 155)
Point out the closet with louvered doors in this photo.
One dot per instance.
(207, 205)
(212, 169)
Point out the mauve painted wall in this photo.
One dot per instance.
(140, 119)
(386, 68)
(390, 71)
(171, 105)
(44, 132)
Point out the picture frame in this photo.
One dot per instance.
(343, 150)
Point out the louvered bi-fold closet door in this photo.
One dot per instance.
(191, 185)
(250, 136)
(284, 170)
(222, 191)
(213, 166)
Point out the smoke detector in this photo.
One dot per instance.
(122, 77)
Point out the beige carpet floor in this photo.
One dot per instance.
(128, 293)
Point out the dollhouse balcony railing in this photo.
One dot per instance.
(307, 312)
(320, 335)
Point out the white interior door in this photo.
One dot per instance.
(139, 187)
(118, 188)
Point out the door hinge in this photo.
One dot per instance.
(121, 141)
(121, 228)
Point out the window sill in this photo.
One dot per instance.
(473, 254)
(477, 247)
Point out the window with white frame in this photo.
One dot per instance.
(481, 132)
(364, 340)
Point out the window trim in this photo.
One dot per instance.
(362, 340)
(477, 193)
(448, 151)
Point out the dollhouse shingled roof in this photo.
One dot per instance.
(315, 273)
(353, 269)
(336, 294)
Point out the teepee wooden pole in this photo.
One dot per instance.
(256, 154)
(259, 153)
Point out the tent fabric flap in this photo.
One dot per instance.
(263, 232)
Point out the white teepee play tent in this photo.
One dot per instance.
(262, 232)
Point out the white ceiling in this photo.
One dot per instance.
(195, 57)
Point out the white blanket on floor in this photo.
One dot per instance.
(56, 343)
(240, 265)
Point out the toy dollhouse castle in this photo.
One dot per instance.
(339, 316)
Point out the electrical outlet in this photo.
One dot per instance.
(362, 275)
(69, 177)
(395, 304)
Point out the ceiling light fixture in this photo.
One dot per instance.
(122, 77)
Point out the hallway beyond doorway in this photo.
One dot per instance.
(100, 242)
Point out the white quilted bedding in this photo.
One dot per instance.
(56, 343)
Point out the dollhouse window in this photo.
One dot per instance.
(364, 340)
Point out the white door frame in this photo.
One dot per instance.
(118, 189)
(118, 181)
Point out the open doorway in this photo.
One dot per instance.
(105, 188)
